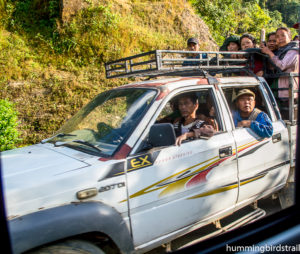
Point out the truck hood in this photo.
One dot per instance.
(36, 174)
(36, 160)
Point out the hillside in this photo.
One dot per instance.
(51, 66)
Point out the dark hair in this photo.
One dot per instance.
(192, 96)
(285, 29)
(270, 34)
(295, 37)
(250, 37)
(231, 38)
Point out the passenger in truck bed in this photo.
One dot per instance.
(193, 45)
(188, 125)
(248, 42)
(286, 58)
(248, 116)
(271, 45)
(231, 44)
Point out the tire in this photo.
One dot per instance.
(287, 194)
(70, 247)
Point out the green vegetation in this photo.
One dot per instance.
(236, 17)
(289, 9)
(8, 123)
(50, 68)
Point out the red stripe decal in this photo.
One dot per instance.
(121, 154)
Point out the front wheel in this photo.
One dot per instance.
(70, 247)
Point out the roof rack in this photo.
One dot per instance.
(177, 63)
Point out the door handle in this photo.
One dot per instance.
(225, 152)
(276, 138)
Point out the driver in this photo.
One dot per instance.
(188, 125)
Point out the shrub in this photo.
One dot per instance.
(8, 123)
(227, 17)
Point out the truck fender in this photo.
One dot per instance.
(45, 226)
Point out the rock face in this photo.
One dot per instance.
(155, 14)
(195, 25)
(70, 7)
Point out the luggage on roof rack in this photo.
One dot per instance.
(176, 63)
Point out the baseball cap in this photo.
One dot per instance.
(192, 40)
(244, 91)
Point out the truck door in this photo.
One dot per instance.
(262, 162)
(172, 188)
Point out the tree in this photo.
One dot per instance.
(235, 17)
(289, 9)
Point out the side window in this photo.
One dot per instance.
(175, 112)
(231, 92)
(206, 110)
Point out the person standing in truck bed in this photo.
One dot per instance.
(231, 44)
(248, 42)
(193, 45)
(272, 45)
(286, 58)
(271, 41)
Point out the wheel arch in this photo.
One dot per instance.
(67, 221)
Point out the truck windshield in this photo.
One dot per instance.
(106, 121)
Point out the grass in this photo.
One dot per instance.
(50, 69)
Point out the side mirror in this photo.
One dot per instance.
(162, 134)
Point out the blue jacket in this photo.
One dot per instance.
(192, 63)
(262, 125)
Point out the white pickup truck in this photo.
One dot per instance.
(113, 179)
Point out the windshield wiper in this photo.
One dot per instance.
(59, 135)
(82, 142)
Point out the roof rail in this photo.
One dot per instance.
(177, 63)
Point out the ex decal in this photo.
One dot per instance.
(139, 162)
